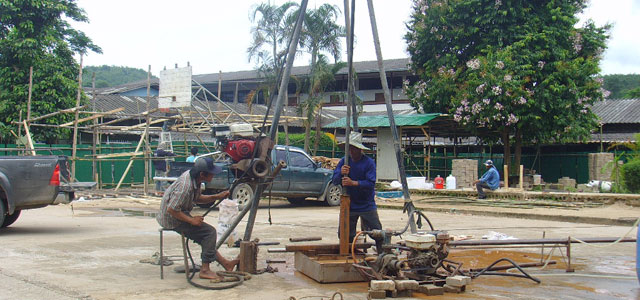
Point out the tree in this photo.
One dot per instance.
(320, 34)
(320, 77)
(620, 84)
(35, 33)
(522, 70)
(632, 94)
(270, 37)
(107, 76)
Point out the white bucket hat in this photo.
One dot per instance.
(355, 139)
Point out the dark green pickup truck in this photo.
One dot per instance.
(301, 179)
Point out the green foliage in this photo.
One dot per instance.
(502, 65)
(632, 94)
(631, 175)
(107, 76)
(620, 84)
(297, 139)
(35, 33)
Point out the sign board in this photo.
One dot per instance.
(175, 88)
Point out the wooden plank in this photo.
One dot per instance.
(98, 115)
(345, 202)
(112, 155)
(248, 257)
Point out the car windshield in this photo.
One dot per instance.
(300, 160)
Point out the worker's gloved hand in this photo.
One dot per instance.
(345, 170)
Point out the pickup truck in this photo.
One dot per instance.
(28, 182)
(301, 179)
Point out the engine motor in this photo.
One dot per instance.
(428, 250)
(237, 140)
(240, 149)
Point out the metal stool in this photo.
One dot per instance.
(184, 252)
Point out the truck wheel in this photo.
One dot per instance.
(333, 195)
(9, 219)
(3, 212)
(243, 193)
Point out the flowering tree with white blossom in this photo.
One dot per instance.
(521, 69)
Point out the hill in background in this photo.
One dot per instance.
(108, 76)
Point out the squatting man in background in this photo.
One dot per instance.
(175, 213)
(359, 177)
(489, 180)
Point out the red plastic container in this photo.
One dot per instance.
(438, 182)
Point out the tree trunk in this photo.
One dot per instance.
(307, 132)
(507, 149)
(518, 149)
(318, 130)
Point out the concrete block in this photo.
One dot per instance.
(403, 285)
(458, 280)
(385, 285)
(377, 294)
(454, 289)
(431, 290)
(404, 294)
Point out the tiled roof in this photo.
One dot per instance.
(621, 111)
(390, 65)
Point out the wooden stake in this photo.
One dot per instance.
(521, 180)
(29, 97)
(506, 176)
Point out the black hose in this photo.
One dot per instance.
(222, 287)
(420, 214)
(524, 274)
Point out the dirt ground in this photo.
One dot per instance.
(92, 250)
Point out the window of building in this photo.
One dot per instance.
(369, 84)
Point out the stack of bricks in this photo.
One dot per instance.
(598, 168)
(465, 171)
(567, 183)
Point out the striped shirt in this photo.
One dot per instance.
(180, 196)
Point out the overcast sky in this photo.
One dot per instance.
(214, 35)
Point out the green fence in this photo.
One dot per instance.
(110, 170)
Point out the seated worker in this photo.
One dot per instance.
(359, 177)
(175, 213)
(490, 180)
(192, 157)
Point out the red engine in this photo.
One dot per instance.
(240, 149)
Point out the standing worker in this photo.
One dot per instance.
(160, 164)
(490, 180)
(359, 177)
(175, 214)
(192, 157)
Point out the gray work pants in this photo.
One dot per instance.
(205, 235)
(479, 187)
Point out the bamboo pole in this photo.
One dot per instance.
(29, 96)
(147, 168)
(29, 141)
(142, 138)
(75, 125)
(392, 123)
(94, 139)
(95, 116)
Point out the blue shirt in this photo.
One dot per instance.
(491, 178)
(191, 158)
(363, 195)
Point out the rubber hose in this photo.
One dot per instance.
(223, 287)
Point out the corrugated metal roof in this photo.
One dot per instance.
(383, 121)
(621, 111)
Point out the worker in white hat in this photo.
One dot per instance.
(359, 178)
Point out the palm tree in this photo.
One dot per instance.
(322, 74)
(320, 33)
(270, 34)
